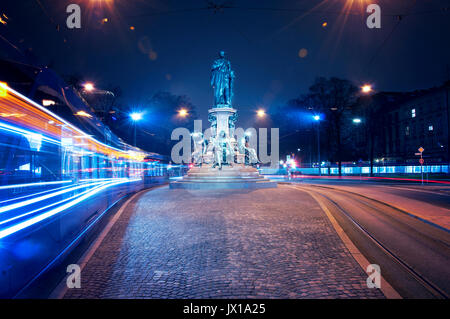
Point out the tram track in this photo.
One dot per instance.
(413, 255)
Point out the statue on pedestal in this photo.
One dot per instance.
(222, 78)
(220, 160)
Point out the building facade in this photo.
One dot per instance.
(421, 120)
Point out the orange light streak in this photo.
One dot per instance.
(22, 113)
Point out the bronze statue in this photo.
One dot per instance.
(222, 78)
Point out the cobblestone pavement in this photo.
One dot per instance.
(268, 243)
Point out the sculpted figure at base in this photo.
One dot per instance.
(244, 147)
(223, 150)
(199, 147)
(252, 157)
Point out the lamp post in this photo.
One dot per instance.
(135, 117)
(357, 121)
(367, 90)
(317, 119)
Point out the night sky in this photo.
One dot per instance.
(173, 44)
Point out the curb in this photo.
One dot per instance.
(386, 288)
(61, 289)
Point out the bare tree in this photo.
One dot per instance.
(332, 97)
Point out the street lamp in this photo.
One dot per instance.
(317, 119)
(183, 112)
(366, 88)
(88, 86)
(356, 120)
(135, 117)
(261, 113)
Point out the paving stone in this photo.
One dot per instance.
(267, 243)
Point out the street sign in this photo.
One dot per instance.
(421, 161)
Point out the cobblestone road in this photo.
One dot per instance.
(269, 243)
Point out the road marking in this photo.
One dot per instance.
(412, 189)
(386, 288)
(61, 289)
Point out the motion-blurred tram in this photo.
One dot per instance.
(56, 182)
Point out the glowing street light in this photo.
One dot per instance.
(183, 112)
(136, 116)
(317, 119)
(88, 86)
(366, 88)
(261, 113)
(356, 120)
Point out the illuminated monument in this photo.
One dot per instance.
(220, 160)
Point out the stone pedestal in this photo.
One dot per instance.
(222, 119)
(237, 176)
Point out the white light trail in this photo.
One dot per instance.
(20, 226)
(38, 199)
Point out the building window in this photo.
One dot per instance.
(407, 131)
(430, 128)
(413, 112)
